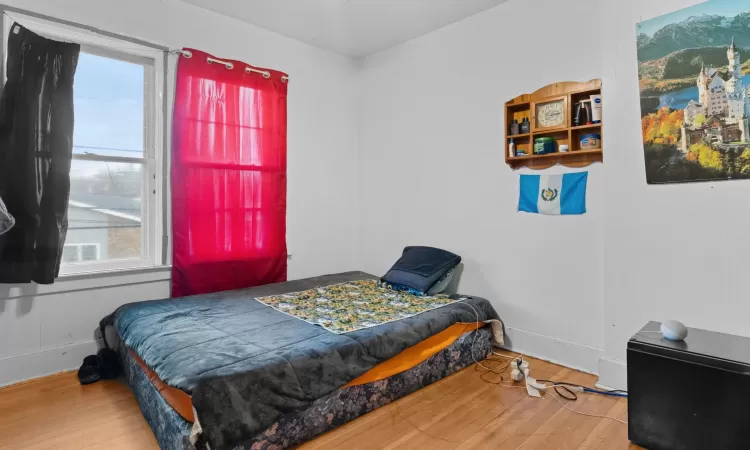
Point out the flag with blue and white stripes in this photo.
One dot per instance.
(553, 194)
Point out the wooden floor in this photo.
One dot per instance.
(458, 412)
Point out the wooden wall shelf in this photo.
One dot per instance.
(564, 132)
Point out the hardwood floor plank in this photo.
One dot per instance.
(553, 433)
(519, 420)
(462, 411)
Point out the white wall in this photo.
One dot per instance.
(42, 331)
(433, 173)
(570, 289)
(673, 251)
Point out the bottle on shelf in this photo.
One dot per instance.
(525, 126)
(582, 114)
(511, 149)
(514, 127)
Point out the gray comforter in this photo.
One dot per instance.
(246, 364)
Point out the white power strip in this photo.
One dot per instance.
(521, 371)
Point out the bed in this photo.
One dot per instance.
(276, 365)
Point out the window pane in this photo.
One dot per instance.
(104, 215)
(70, 254)
(89, 253)
(105, 210)
(108, 96)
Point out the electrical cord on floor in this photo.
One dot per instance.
(610, 393)
(572, 396)
(613, 393)
(473, 344)
(569, 387)
(586, 414)
(504, 356)
(500, 372)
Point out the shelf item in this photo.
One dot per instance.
(515, 127)
(582, 114)
(550, 114)
(544, 145)
(526, 126)
(590, 141)
(523, 145)
(550, 111)
(576, 134)
(519, 112)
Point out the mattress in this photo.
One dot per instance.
(172, 432)
(246, 364)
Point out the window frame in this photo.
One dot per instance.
(153, 209)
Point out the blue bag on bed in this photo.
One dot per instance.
(420, 268)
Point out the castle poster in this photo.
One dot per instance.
(694, 72)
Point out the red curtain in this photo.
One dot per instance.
(228, 176)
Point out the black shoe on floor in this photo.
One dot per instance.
(89, 371)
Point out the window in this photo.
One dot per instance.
(73, 253)
(115, 214)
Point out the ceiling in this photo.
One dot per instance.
(354, 28)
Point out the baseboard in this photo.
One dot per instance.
(15, 369)
(559, 351)
(613, 374)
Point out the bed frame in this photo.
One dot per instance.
(173, 432)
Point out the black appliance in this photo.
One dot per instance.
(689, 395)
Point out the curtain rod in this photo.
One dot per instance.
(4, 8)
(185, 53)
(229, 65)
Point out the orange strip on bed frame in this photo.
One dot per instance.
(416, 354)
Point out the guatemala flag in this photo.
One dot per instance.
(553, 194)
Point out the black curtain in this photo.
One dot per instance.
(36, 146)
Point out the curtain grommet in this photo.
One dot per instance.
(187, 54)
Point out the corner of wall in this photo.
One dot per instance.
(613, 374)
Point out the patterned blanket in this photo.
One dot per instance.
(352, 306)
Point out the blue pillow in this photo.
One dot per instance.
(420, 268)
